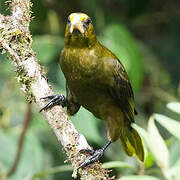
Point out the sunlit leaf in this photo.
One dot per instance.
(174, 106)
(174, 150)
(171, 125)
(138, 177)
(117, 164)
(174, 171)
(157, 145)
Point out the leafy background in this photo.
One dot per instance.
(145, 37)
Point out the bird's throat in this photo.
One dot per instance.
(78, 40)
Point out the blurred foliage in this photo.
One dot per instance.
(145, 37)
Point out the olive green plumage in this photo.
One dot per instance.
(96, 80)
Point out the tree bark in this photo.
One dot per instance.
(16, 40)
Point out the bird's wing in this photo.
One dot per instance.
(121, 90)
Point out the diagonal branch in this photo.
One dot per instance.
(16, 40)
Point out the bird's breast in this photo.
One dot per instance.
(79, 65)
(88, 76)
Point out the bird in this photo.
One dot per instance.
(97, 81)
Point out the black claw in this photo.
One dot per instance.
(93, 158)
(54, 100)
(48, 97)
(95, 155)
(90, 151)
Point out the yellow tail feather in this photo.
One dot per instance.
(132, 143)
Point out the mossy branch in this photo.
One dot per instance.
(16, 40)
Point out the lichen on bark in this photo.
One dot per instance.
(16, 40)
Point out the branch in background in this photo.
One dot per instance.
(3, 176)
(21, 140)
(16, 40)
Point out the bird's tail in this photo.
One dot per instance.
(131, 142)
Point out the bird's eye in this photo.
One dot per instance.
(87, 21)
(68, 21)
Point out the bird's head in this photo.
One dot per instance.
(79, 31)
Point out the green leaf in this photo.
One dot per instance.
(121, 42)
(47, 47)
(174, 149)
(32, 157)
(174, 171)
(157, 145)
(53, 170)
(138, 177)
(174, 106)
(87, 125)
(175, 160)
(171, 125)
(149, 160)
(117, 164)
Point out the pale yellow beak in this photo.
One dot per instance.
(76, 25)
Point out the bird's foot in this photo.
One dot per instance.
(58, 99)
(95, 155)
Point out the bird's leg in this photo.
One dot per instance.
(58, 99)
(95, 155)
